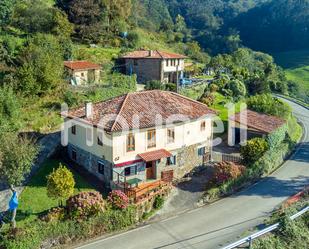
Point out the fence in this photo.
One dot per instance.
(220, 157)
(269, 229)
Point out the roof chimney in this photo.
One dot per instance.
(88, 109)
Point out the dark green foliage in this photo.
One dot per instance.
(237, 89)
(278, 25)
(268, 104)
(6, 9)
(253, 150)
(17, 157)
(158, 202)
(41, 65)
(9, 110)
(154, 84)
(277, 137)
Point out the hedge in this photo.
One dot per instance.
(70, 231)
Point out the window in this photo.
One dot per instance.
(201, 151)
(101, 167)
(167, 62)
(203, 126)
(171, 161)
(130, 171)
(100, 138)
(73, 129)
(82, 74)
(170, 136)
(74, 156)
(151, 138)
(130, 142)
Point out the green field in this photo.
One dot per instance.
(296, 66)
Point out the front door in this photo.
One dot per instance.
(149, 170)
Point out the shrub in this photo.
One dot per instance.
(55, 214)
(60, 183)
(266, 103)
(225, 171)
(254, 149)
(237, 89)
(85, 204)
(158, 202)
(154, 84)
(118, 199)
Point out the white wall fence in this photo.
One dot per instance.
(220, 157)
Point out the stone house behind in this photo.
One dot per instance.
(154, 65)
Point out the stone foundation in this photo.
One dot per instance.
(90, 163)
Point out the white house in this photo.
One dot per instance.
(140, 137)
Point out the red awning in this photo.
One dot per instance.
(155, 155)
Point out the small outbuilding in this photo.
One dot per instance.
(257, 124)
(82, 72)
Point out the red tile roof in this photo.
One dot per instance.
(147, 105)
(152, 54)
(155, 155)
(259, 121)
(79, 65)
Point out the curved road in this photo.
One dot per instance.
(216, 225)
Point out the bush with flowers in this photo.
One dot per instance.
(118, 199)
(85, 204)
(225, 171)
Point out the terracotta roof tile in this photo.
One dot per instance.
(152, 54)
(155, 155)
(78, 65)
(261, 122)
(147, 105)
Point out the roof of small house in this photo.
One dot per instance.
(147, 105)
(81, 65)
(259, 121)
(152, 54)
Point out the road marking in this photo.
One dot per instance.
(171, 218)
(112, 237)
(195, 210)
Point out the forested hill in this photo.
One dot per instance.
(276, 26)
(223, 25)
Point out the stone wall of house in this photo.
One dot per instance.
(146, 69)
(90, 163)
(187, 159)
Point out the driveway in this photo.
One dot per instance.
(215, 225)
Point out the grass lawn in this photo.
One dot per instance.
(34, 200)
(296, 66)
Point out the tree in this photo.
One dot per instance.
(154, 84)
(60, 184)
(17, 156)
(254, 149)
(32, 16)
(9, 110)
(237, 88)
(6, 9)
(41, 65)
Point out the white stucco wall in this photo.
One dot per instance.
(185, 135)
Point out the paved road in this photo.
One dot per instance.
(215, 225)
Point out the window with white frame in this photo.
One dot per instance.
(170, 135)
